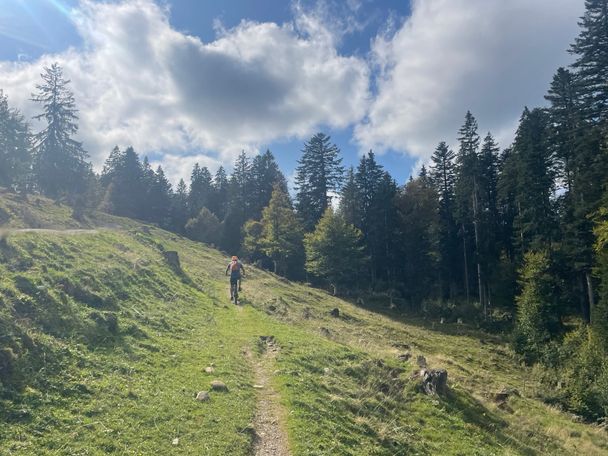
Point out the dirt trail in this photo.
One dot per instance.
(271, 437)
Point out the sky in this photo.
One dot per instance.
(186, 81)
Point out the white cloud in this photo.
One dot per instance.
(489, 56)
(140, 82)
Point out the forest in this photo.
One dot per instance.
(511, 239)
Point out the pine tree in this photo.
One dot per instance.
(349, 199)
(15, 147)
(239, 204)
(282, 234)
(123, 181)
(467, 210)
(334, 252)
(60, 162)
(591, 64)
(443, 178)
(201, 189)
(265, 174)
(179, 207)
(418, 218)
(372, 204)
(159, 199)
(318, 175)
(219, 202)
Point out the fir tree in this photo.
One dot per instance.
(265, 174)
(15, 148)
(123, 180)
(282, 233)
(60, 162)
(201, 191)
(334, 252)
(318, 175)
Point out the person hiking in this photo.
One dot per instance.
(235, 267)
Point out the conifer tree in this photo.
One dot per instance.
(282, 234)
(123, 181)
(205, 227)
(591, 65)
(443, 178)
(200, 195)
(60, 161)
(179, 207)
(15, 147)
(265, 174)
(349, 199)
(219, 202)
(334, 252)
(319, 174)
(159, 199)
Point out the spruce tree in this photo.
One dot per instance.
(201, 190)
(159, 199)
(179, 207)
(60, 161)
(123, 180)
(219, 202)
(318, 175)
(443, 178)
(334, 252)
(349, 199)
(590, 49)
(282, 234)
(265, 174)
(15, 147)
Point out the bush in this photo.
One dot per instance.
(205, 227)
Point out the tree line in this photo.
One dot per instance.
(512, 239)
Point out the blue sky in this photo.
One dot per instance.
(188, 80)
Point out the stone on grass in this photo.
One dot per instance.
(175, 441)
(421, 360)
(216, 385)
(209, 369)
(202, 396)
(404, 356)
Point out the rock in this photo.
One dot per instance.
(202, 396)
(259, 387)
(272, 308)
(175, 441)
(172, 258)
(326, 370)
(216, 385)
(325, 332)
(434, 381)
(209, 369)
(335, 312)
(421, 360)
(404, 356)
(504, 394)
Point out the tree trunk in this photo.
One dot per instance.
(480, 287)
(466, 263)
(590, 295)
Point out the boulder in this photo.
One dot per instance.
(217, 385)
(202, 396)
(434, 381)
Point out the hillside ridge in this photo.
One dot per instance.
(105, 347)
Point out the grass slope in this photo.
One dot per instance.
(103, 347)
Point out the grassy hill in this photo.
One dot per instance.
(104, 345)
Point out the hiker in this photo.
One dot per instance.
(235, 267)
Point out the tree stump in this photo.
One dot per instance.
(434, 381)
(335, 312)
(172, 258)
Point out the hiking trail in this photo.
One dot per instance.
(270, 434)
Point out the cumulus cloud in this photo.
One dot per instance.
(140, 82)
(490, 56)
